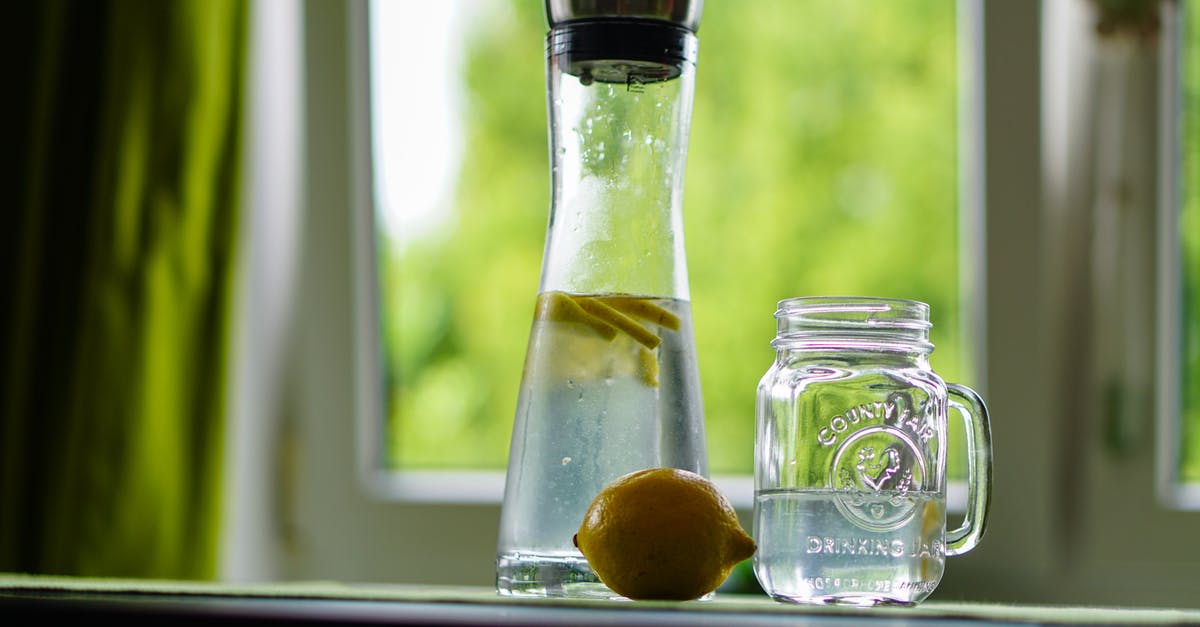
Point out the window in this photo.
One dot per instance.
(1189, 229)
(1180, 319)
(1104, 539)
(817, 165)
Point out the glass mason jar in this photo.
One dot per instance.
(610, 383)
(850, 456)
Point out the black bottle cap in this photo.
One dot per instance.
(621, 50)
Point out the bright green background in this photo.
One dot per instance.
(822, 162)
(1189, 227)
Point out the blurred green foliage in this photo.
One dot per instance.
(1189, 228)
(823, 160)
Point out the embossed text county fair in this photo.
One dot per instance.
(892, 411)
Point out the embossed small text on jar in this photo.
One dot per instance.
(873, 546)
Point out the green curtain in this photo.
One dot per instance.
(118, 255)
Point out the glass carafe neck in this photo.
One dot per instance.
(618, 139)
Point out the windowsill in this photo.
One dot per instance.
(1180, 496)
(325, 602)
(487, 487)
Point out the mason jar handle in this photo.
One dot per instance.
(979, 468)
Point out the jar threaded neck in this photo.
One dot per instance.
(867, 323)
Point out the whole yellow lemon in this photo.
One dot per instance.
(662, 533)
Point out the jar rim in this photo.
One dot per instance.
(882, 323)
(869, 311)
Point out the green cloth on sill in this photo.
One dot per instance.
(33, 585)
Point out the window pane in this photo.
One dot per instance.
(822, 161)
(1189, 227)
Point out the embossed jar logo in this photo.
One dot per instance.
(879, 463)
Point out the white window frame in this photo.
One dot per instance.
(327, 514)
(1170, 340)
(487, 486)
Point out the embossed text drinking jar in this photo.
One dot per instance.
(850, 456)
